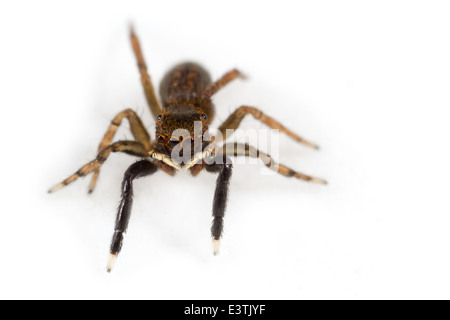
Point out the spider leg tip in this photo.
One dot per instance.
(243, 76)
(312, 145)
(308, 144)
(131, 27)
(216, 246)
(55, 188)
(111, 261)
(321, 181)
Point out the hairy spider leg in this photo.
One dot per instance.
(244, 149)
(137, 128)
(130, 147)
(149, 90)
(224, 167)
(137, 170)
(220, 83)
(235, 119)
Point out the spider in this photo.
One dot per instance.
(185, 91)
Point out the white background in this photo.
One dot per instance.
(367, 80)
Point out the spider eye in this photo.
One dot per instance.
(204, 116)
(160, 139)
(158, 117)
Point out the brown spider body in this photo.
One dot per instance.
(185, 95)
(184, 85)
(182, 106)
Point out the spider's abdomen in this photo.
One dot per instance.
(185, 81)
(183, 85)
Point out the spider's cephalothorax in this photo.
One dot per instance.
(182, 121)
(183, 124)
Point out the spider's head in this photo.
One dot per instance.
(181, 130)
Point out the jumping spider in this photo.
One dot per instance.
(185, 93)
